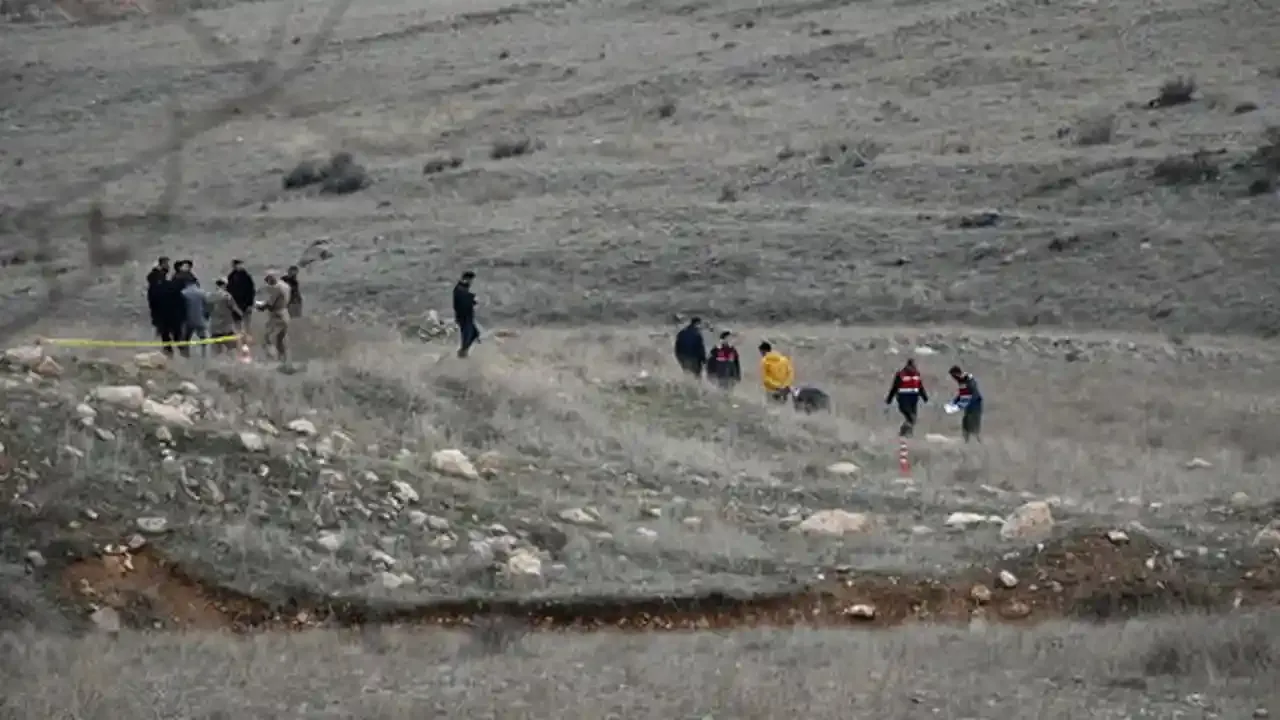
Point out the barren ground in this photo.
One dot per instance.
(809, 172)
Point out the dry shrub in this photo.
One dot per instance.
(1095, 130)
(1192, 169)
(1177, 91)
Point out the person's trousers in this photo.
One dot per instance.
(693, 366)
(910, 410)
(169, 334)
(468, 335)
(196, 332)
(274, 336)
(226, 346)
(245, 314)
(781, 395)
(971, 423)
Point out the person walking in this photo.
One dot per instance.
(295, 296)
(196, 316)
(240, 285)
(776, 373)
(908, 390)
(690, 350)
(464, 313)
(275, 304)
(224, 318)
(156, 280)
(724, 367)
(969, 400)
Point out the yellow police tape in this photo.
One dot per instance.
(85, 342)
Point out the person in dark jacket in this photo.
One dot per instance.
(969, 400)
(243, 291)
(724, 366)
(171, 313)
(464, 313)
(908, 390)
(155, 281)
(290, 278)
(691, 351)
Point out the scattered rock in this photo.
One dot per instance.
(27, 357)
(1198, 464)
(836, 523)
(964, 520)
(1030, 520)
(302, 426)
(48, 367)
(35, 559)
(939, 439)
(981, 219)
(454, 462)
(1007, 579)
(252, 441)
(1268, 536)
(1117, 537)
(579, 516)
(106, 619)
(524, 562)
(152, 525)
(86, 411)
(167, 414)
(331, 541)
(980, 594)
(151, 361)
(861, 611)
(391, 580)
(843, 468)
(404, 492)
(1240, 500)
(1015, 610)
(130, 397)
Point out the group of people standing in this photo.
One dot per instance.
(186, 315)
(723, 366)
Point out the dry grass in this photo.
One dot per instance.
(1156, 669)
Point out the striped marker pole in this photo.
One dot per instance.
(904, 461)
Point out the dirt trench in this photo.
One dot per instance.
(1086, 576)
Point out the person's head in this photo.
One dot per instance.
(237, 264)
(292, 271)
(162, 262)
(695, 321)
(726, 338)
(765, 348)
(220, 284)
(183, 266)
(467, 277)
(270, 277)
(911, 364)
(956, 372)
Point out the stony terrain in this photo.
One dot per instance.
(1078, 201)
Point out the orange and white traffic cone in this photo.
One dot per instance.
(904, 461)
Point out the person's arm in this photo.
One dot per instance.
(788, 372)
(735, 368)
(924, 396)
(893, 389)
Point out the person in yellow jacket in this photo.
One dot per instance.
(776, 373)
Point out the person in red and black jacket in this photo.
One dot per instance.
(908, 388)
(724, 366)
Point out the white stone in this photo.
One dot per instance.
(152, 525)
(252, 441)
(26, 356)
(330, 541)
(1032, 519)
(836, 522)
(843, 468)
(454, 462)
(302, 426)
(130, 397)
(524, 562)
(167, 414)
(964, 519)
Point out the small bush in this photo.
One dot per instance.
(1185, 170)
(512, 147)
(440, 164)
(1096, 130)
(666, 109)
(1178, 91)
